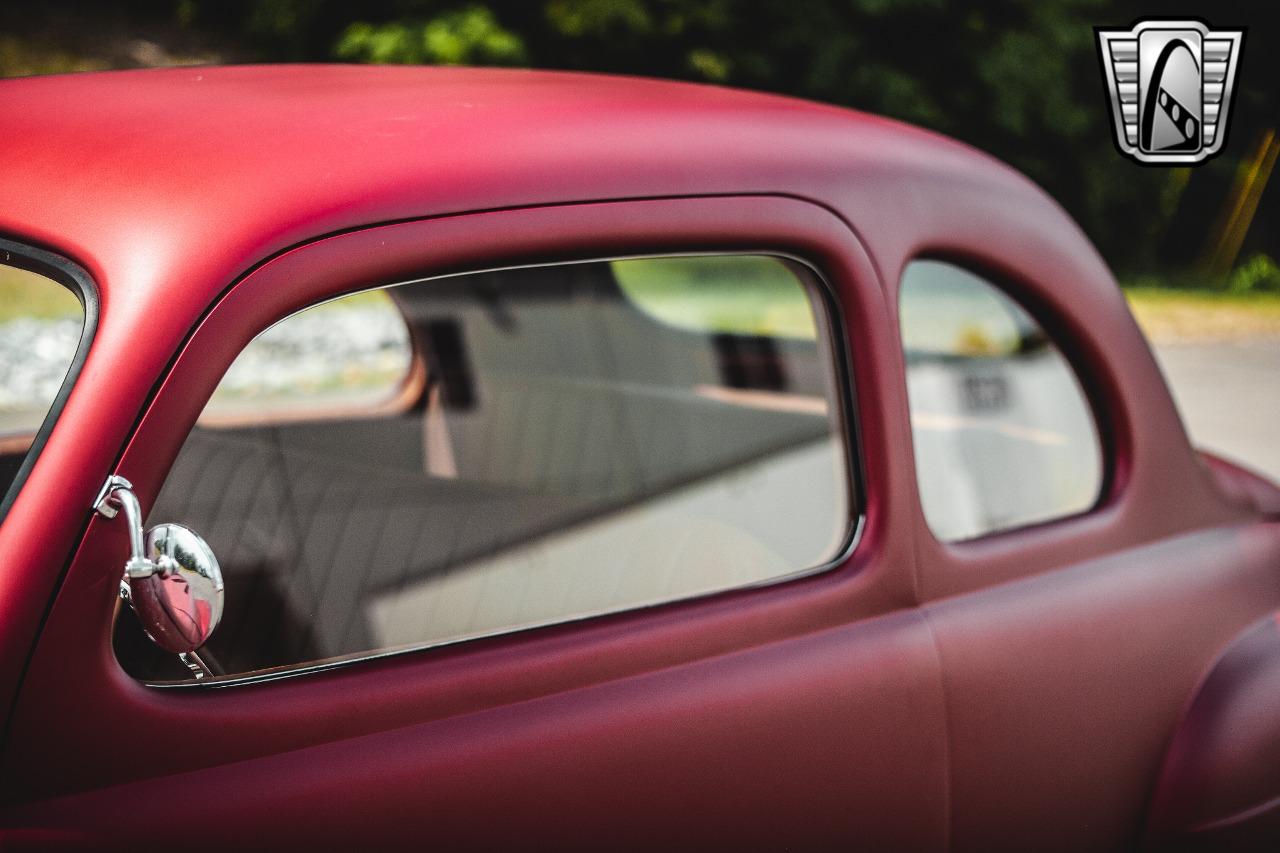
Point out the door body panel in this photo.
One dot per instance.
(1064, 690)
(809, 742)
(809, 705)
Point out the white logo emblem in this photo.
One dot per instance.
(1170, 86)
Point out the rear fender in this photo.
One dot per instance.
(1219, 788)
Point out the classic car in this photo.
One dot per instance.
(557, 460)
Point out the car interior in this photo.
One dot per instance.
(555, 427)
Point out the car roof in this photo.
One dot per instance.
(168, 186)
(152, 172)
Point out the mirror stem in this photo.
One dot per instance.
(199, 669)
(178, 626)
(117, 494)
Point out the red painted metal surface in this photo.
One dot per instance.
(1019, 690)
(1221, 758)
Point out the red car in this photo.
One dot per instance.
(553, 460)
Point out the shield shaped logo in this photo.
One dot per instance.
(1170, 85)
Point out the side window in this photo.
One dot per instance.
(41, 323)
(1003, 434)
(477, 454)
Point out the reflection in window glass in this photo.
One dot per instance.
(1003, 434)
(40, 326)
(738, 294)
(585, 438)
(347, 354)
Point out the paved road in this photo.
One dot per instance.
(1229, 396)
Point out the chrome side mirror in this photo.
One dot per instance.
(171, 580)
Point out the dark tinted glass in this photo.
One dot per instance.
(512, 449)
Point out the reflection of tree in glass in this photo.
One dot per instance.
(735, 294)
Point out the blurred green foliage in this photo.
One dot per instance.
(468, 36)
(1258, 274)
(1019, 79)
(29, 295)
(738, 294)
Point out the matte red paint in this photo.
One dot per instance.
(1017, 691)
(1224, 752)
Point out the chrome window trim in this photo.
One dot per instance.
(77, 280)
(834, 319)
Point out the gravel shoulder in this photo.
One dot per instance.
(1189, 316)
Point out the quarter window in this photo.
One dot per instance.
(471, 455)
(1003, 434)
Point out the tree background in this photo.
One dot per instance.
(1017, 78)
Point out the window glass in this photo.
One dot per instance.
(40, 326)
(348, 356)
(736, 294)
(1003, 434)
(580, 439)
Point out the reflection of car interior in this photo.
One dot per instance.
(566, 455)
(981, 423)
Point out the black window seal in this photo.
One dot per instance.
(75, 279)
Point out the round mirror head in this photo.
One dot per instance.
(180, 605)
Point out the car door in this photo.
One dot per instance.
(806, 710)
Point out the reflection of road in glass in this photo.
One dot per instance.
(34, 356)
(333, 351)
(337, 349)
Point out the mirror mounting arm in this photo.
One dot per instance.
(116, 495)
(171, 579)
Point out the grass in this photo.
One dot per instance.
(738, 294)
(1188, 316)
(19, 57)
(28, 294)
(760, 296)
